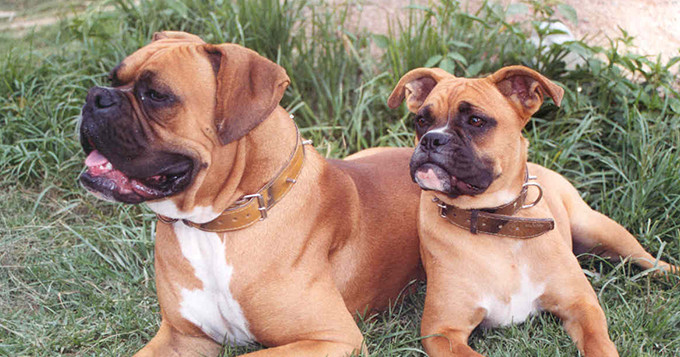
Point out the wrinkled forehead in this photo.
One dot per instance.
(162, 59)
(448, 96)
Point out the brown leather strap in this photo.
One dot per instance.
(509, 208)
(253, 208)
(498, 220)
(477, 221)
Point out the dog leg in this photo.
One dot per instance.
(593, 230)
(168, 343)
(447, 324)
(312, 348)
(575, 303)
(448, 342)
(587, 326)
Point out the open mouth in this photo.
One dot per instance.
(433, 177)
(106, 181)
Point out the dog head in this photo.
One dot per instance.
(176, 110)
(469, 131)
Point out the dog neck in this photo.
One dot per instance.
(264, 151)
(235, 170)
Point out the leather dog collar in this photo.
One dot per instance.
(253, 208)
(499, 220)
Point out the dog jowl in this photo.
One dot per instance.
(123, 163)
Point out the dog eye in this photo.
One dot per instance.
(421, 121)
(155, 96)
(476, 122)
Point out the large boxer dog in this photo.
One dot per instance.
(259, 237)
(494, 245)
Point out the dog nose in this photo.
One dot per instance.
(103, 98)
(431, 141)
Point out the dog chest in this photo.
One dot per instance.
(212, 308)
(515, 309)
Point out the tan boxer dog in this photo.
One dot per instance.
(260, 238)
(494, 245)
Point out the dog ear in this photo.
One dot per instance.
(415, 86)
(176, 35)
(525, 88)
(249, 87)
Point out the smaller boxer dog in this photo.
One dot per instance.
(497, 233)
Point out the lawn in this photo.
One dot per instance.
(76, 274)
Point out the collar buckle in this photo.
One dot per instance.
(261, 205)
(441, 205)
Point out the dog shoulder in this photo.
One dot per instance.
(555, 184)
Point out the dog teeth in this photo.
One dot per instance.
(103, 168)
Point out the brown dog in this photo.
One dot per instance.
(260, 238)
(494, 250)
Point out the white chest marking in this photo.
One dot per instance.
(213, 309)
(199, 214)
(522, 303)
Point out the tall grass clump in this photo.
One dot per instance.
(76, 274)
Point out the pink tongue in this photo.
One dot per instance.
(95, 159)
(429, 179)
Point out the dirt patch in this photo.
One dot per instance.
(17, 17)
(655, 24)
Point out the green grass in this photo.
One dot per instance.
(76, 274)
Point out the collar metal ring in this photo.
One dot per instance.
(540, 194)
